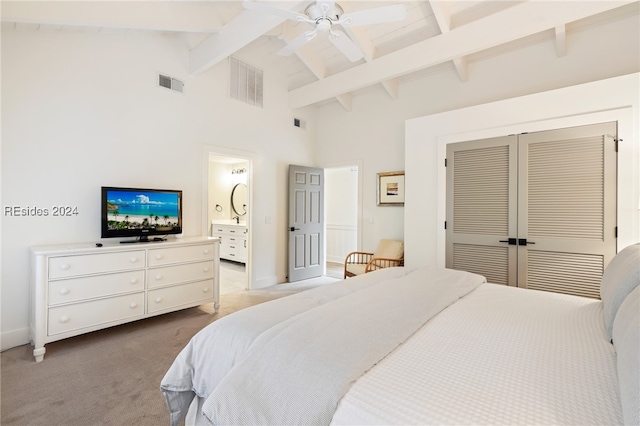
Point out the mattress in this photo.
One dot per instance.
(500, 355)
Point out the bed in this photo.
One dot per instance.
(419, 346)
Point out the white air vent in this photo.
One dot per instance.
(245, 83)
(170, 83)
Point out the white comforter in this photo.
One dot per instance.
(251, 367)
(297, 371)
(499, 355)
(212, 352)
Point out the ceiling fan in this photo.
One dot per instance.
(325, 15)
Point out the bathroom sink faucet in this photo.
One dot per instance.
(237, 218)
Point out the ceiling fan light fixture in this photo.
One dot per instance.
(323, 25)
(317, 11)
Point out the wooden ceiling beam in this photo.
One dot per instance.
(237, 33)
(157, 16)
(364, 42)
(561, 40)
(521, 20)
(443, 17)
(313, 63)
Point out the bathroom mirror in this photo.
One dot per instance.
(239, 199)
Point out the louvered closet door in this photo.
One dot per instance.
(561, 183)
(567, 204)
(482, 208)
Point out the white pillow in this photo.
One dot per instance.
(621, 276)
(626, 340)
(390, 249)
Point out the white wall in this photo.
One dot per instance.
(373, 132)
(81, 110)
(372, 135)
(615, 99)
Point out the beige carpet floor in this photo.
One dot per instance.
(112, 376)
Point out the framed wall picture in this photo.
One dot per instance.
(391, 189)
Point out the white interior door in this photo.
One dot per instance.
(306, 223)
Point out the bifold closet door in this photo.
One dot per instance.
(535, 210)
(482, 208)
(567, 205)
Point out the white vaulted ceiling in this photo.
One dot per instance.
(436, 35)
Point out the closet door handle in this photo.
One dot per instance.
(511, 241)
(524, 242)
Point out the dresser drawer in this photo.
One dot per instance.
(160, 277)
(72, 266)
(167, 256)
(239, 230)
(74, 289)
(185, 294)
(66, 318)
(234, 250)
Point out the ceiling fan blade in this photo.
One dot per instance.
(298, 42)
(283, 13)
(346, 46)
(395, 12)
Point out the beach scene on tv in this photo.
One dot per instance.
(143, 210)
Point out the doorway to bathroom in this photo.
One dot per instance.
(228, 213)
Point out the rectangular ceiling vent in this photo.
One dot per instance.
(245, 83)
(170, 83)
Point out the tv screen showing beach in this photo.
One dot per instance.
(139, 209)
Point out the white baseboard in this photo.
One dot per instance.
(14, 338)
(264, 282)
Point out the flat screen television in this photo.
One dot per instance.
(140, 213)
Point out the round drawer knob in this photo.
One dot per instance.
(158, 299)
(133, 260)
(64, 319)
(158, 256)
(205, 251)
(134, 281)
(205, 269)
(64, 291)
(64, 266)
(133, 305)
(158, 277)
(205, 290)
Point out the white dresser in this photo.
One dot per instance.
(79, 288)
(233, 240)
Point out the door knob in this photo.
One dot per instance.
(294, 229)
